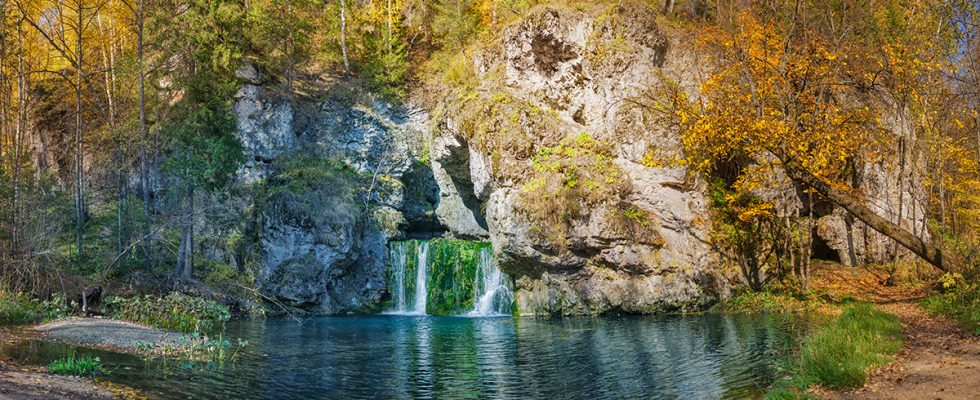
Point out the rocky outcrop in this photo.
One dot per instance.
(639, 247)
(557, 109)
(542, 153)
(337, 178)
(461, 174)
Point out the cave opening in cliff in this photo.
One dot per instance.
(821, 250)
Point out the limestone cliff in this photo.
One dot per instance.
(337, 177)
(556, 90)
(537, 147)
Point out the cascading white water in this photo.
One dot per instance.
(421, 290)
(399, 260)
(492, 291)
(493, 295)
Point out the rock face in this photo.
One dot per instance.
(566, 74)
(893, 190)
(337, 180)
(563, 83)
(541, 154)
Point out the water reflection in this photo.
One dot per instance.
(692, 357)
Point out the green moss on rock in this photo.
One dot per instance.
(450, 273)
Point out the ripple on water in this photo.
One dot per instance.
(402, 356)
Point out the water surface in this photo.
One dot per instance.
(658, 357)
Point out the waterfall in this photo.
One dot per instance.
(421, 290)
(451, 277)
(400, 266)
(399, 261)
(492, 294)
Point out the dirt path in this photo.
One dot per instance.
(17, 384)
(938, 361)
(113, 335)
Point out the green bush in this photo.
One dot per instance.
(176, 312)
(75, 366)
(17, 309)
(961, 302)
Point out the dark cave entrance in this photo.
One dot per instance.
(820, 250)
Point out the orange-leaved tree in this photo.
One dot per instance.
(807, 105)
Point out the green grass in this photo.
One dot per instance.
(76, 366)
(788, 393)
(769, 302)
(839, 355)
(961, 305)
(18, 309)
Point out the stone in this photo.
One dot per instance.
(549, 61)
(323, 245)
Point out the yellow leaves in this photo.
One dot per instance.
(770, 94)
(652, 160)
(755, 212)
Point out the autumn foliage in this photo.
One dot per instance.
(790, 94)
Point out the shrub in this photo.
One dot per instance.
(961, 302)
(19, 309)
(176, 312)
(71, 365)
(321, 190)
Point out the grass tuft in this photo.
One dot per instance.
(76, 366)
(839, 355)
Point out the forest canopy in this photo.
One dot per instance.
(117, 130)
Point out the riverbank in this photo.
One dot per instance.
(21, 382)
(115, 335)
(17, 383)
(937, 361)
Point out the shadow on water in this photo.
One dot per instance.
(664, 357)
